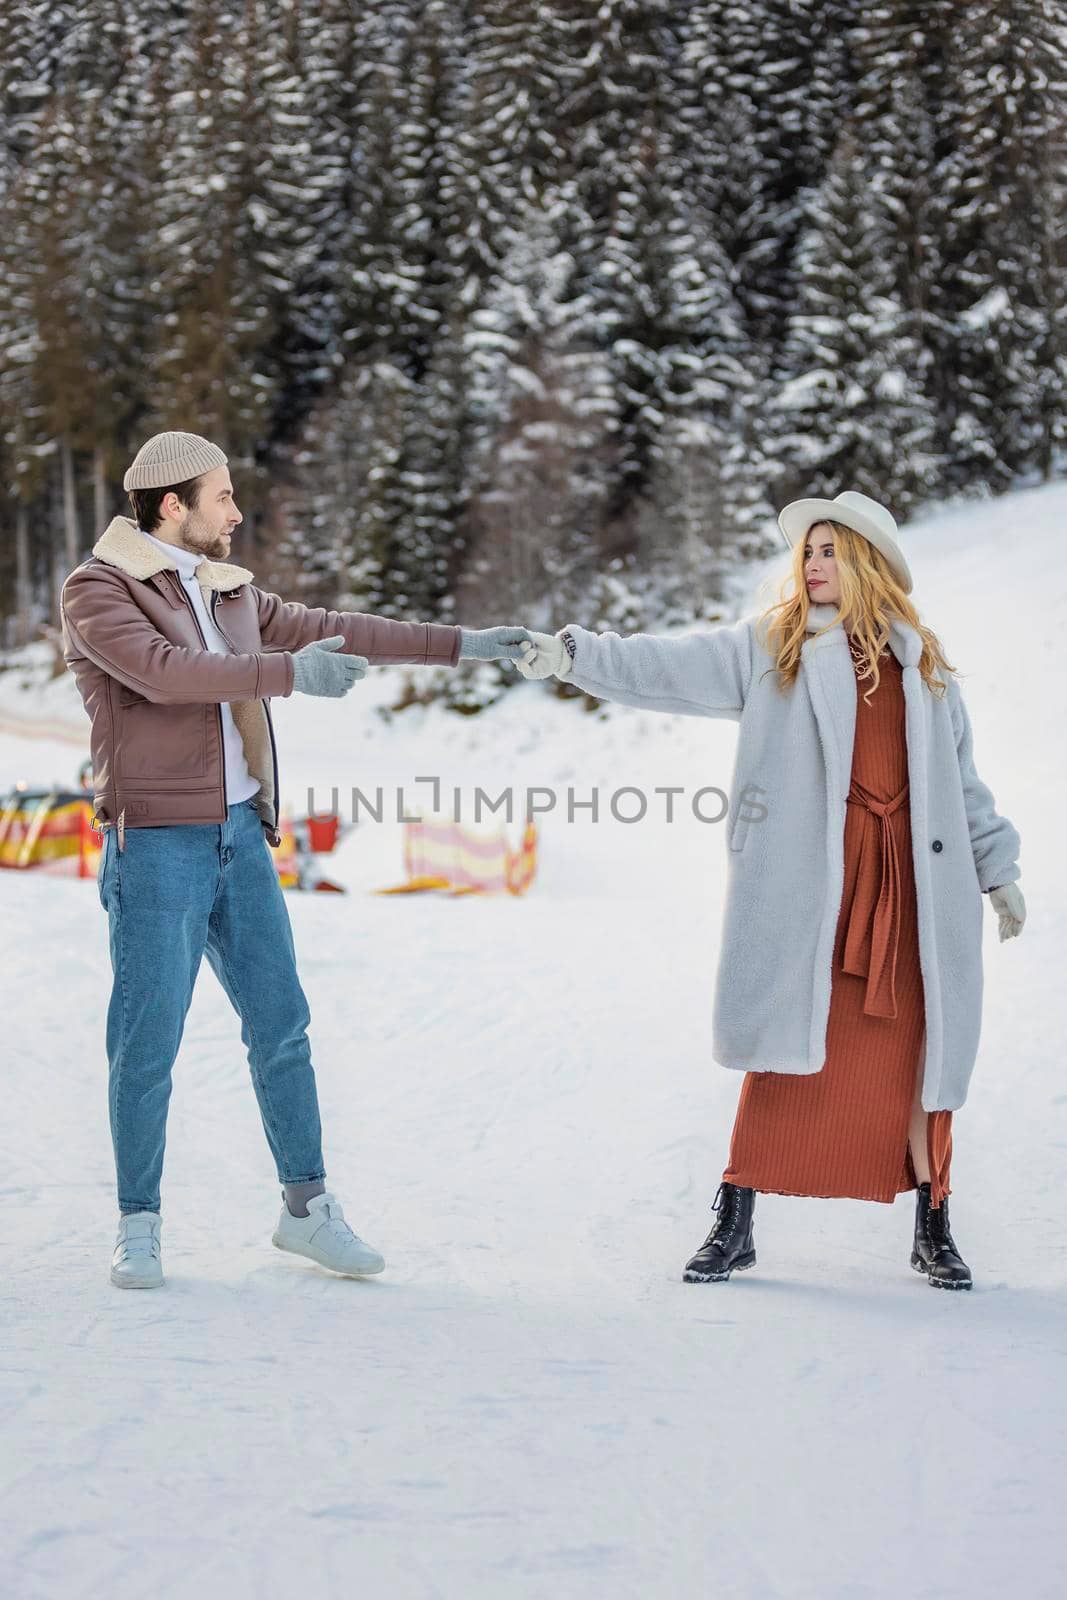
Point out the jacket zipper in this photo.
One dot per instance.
(270, 725)
(218, 708)
(274, 758)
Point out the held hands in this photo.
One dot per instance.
(544, 655)
(316, 670)
(1008, 903)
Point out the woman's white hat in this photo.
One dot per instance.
(858, 512)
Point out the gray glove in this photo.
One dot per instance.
(491, 644)
(317, 671)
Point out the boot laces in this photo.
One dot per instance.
(938, 1228)
(725, 1207)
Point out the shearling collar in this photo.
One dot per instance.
(904, 640)
(123, 545)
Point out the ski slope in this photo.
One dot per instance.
(520, 1109)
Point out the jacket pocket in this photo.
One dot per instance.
(739, 830)
(750, 809)
(160, 742)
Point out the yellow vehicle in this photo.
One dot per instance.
(50, 830)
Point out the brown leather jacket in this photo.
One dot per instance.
(153, 689)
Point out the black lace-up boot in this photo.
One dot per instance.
(729, 1244)
(935, 1250)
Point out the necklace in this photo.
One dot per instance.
(857, 656)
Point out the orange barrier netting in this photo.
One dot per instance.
(447, 856)
(51, 831)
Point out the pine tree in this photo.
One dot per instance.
(45, 299)
(307, 83)
(999, 299)
(772, 78)
(898, 55)
(544, 427)
(403, 308)
(209, 246)
(849, 410)
(505, 143)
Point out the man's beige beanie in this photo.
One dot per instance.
(169, 458)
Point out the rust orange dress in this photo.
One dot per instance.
(843, 1131)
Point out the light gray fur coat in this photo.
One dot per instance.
(792, 773)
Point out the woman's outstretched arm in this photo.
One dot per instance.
(693, 674)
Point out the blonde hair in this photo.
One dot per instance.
(870, 595)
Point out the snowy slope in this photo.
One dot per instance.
(521, 1111)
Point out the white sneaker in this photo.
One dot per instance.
(324, 1236)
(137, 1262)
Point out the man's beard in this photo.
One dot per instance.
(199, 538)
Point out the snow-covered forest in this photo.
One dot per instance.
(507, 307)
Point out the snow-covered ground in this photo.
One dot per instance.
(521, 1111)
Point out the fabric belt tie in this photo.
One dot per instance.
(874, 917)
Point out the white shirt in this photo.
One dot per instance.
(240, 784)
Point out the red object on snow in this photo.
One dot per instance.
(322, 833)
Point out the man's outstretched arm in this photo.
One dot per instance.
(287, 625)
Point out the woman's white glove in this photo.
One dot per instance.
(544, 655)
(1010, 907)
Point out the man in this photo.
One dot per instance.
(177, 655)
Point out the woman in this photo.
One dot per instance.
(861, 840)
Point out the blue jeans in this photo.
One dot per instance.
(171, 895)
